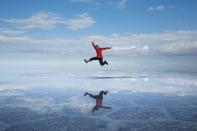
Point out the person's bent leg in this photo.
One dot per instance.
(85, 61)
(90, 95)
(93, 58)
(101, 61)
(105, 62)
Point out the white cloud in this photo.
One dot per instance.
(8, 32)
(48, 20)
(160, 7)
(124, 48)
(146, 38)
(156, 8)
(117, 3)
(42, 20)
(29, 40)
(180, 48)
(146, 48)
(133, 49)
(4, 86)
(177, 42)
(121, 3)
(80, 22)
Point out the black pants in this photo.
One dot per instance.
(100, 96)
(100, 60)
(96, 96)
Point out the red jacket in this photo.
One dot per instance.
(98, 103)
(99, 50)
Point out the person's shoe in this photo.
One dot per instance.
(85, 94)
(85, 61)
(106, 62)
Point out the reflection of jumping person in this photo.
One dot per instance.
(99, 55)
(99, 100)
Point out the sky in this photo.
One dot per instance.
(63, 29)
(43, 44)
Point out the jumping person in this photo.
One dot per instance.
(99, 55)
(99, 100)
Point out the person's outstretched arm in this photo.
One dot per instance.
(94, 45)
(106, 48)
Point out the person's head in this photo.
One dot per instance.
(97, 46)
